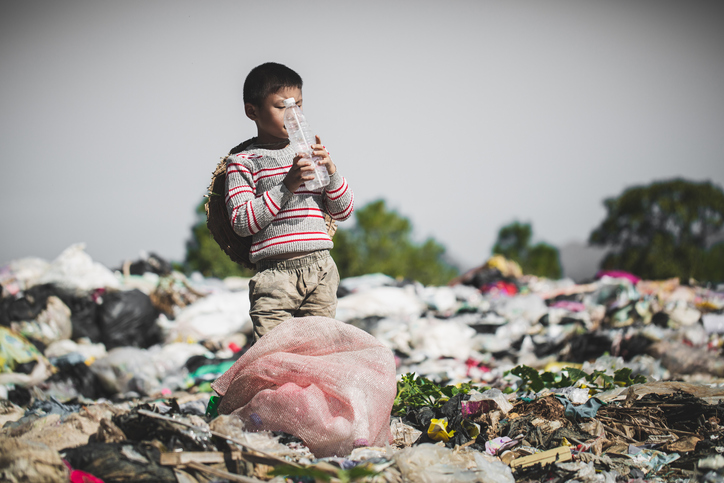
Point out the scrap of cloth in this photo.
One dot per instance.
(324, 381)
(587, 410)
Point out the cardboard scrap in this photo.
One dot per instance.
(555, 455)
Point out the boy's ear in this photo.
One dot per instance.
(251, 111)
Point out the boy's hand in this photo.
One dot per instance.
(321, 151)
(301, 171)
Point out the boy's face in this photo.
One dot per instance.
(269, 117)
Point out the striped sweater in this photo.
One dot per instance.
(279, 221)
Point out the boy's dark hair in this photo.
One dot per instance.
(266, 79)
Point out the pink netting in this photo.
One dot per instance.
(326, 382)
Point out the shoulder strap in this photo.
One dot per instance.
(240, 147)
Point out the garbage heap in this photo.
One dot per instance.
(105, 375)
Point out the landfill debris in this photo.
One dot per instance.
(499, 377)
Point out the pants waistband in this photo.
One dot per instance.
(293, 264)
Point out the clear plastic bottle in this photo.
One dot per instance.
(301, 139)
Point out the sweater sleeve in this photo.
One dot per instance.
(248, 212)
(338, 198)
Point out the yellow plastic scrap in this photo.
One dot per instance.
(508, 268)
(707, 306)
(473, 429)
(556, 366)
(15, 349)
(438, 430)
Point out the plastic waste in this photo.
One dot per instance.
(438, 430)
(713, 323)
(88, 351)
(430, 463)
(75, 271)
(652, 460)
(126, 369)
(498, 445)
(260, 440)
(493, 470)
(15, 349)
(440, 299)
(21, 274)
(215, 315)
(403, 434)
(442, 338)
(128, 319)
(301, 138)
(400, 302)
(52, 324)
(130, 461)
(326, 382)
(484, 402)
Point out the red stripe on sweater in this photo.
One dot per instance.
(273, 202)
(344, 182)
(269, 176)
(294, 234)
(233, 194)
(290, 241)
(279, 218)
(255, 173)
(248, 218)
(300, 209)
(253, 213)
(340, 195)
(236, 167)
(342, 215)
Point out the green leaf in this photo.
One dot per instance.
(289, 470)
(531, 378)
(356, 473)
(623, 376)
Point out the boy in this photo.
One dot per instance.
(267, 200)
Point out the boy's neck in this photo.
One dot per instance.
(270, 142)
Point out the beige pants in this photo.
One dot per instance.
(292, 288)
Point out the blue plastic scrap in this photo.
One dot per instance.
(587, 410)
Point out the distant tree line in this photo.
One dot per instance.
(667, 229)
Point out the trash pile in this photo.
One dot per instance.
(106, 375)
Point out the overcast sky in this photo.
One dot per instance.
(464, 116)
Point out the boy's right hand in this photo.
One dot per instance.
(301, 171)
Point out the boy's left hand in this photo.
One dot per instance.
(321, 151)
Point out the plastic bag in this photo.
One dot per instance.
(400, 302)
(15, 349)
(429, 463)
(484, 402)
(75, 271)
(52, 324)
(128, 319)
(326, 382)
(126, 369)
(215, 315)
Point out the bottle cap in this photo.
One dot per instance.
(290, 102)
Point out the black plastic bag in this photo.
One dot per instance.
(128, 319)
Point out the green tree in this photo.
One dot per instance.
(663, 230)
(204, 255)
(380, 242)
(514, 243)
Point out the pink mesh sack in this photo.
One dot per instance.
(326, 382)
